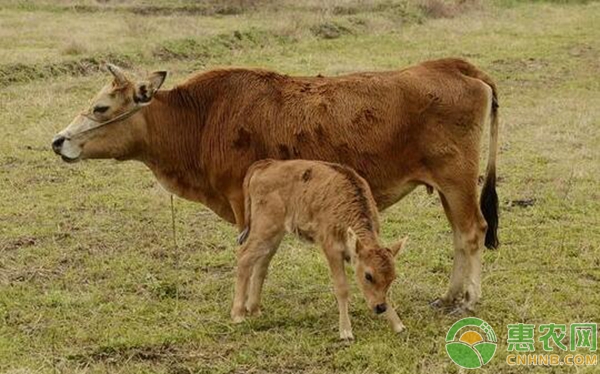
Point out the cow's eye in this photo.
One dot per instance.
(99, 109)
(369, 277)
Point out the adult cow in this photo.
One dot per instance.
(397, 129)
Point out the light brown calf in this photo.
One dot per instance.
(323, 202)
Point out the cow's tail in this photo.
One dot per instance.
(489, 197)
(248, 199)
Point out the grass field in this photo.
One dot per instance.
(92, 282)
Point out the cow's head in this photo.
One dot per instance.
(375, 270)
(112, 126)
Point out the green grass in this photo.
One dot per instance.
(90, 281)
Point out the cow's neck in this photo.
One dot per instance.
(173, 150)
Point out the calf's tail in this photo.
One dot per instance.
(247, 208)
(248, 198)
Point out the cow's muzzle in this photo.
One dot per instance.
(57, 144)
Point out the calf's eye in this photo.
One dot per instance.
(369, 277)
(99, 109)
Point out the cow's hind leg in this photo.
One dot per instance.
(469, 227)
(456, 287)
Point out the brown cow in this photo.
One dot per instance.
(397, 129)
(329, 204)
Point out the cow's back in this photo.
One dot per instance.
(386, 125)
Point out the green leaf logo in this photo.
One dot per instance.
(471, 343)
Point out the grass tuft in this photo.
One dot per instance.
(74, 48)
(20, 72)
(330, 30)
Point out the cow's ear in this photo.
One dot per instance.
(145, 90)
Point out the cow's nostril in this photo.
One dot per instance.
(57, 143)
(380, 308)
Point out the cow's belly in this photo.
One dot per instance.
(388, 197)
(183, 189)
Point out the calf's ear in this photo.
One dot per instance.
(352, 243)
(399, 246)
(144, 90)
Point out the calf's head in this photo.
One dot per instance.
(112, 126)
(374, 269)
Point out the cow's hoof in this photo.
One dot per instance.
(456, 311)
(438, 303)
(445, 305)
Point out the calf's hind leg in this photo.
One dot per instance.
(259, 274)
(265, 235)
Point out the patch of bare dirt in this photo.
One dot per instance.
(523, 203)
(22, 242)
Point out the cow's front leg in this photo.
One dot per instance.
(236, 201)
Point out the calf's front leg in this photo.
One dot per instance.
(341, 289)
(394, 320)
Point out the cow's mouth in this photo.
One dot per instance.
(69, 160)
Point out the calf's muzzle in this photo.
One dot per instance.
(380, 308)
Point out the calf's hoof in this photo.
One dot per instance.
(346, 336)
(238, 316)
(253, 311)
(399, 328)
